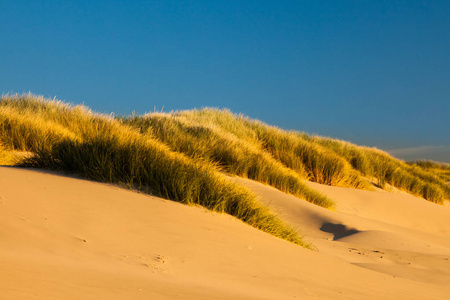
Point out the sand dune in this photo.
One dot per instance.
(66, 238)
(392, 233)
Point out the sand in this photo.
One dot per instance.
(67, 238)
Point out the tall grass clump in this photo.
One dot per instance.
(24, 131)
(442, 170)
(308, 160)
(326, 160)
(9, 157)
(405, 177)
(101, 148)
(386, 169)
(321, 165)
(233, 155)
(355, 155)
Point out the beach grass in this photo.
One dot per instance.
(186, 156)
(233, 155)
(384, 168)
(73, 139)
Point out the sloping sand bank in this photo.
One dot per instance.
(391, 233)
(65, 238)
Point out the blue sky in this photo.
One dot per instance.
(375, 73)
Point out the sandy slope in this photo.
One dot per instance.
(65, 238)
(392, 233)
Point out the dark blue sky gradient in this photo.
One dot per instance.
(372, 72)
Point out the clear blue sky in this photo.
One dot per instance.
(375, 73)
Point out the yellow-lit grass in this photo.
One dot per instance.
(25, 131)
(433, 172)
(322, 166)
(409, 178)
(442, 170)
(101, 148)
(387, 169)
(234, 155)
(310, 161)
(326, 160)
(11, 157)
(215, 138)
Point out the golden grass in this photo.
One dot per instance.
(11, 157)
(308, 160)
(183, 156)
(442, 170)
(376, 163)
(326, 160)
(233, 155)
(75, 140)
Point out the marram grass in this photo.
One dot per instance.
(11, 158)
(326, 160)
(233, 155)
(308, 160)
(102, 148)
(384, 168)
(183, 156)
(441, 170)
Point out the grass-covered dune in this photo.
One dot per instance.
(184, 156)
(238, 144)
(230, 153)
(50, 134)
